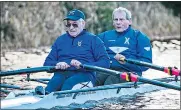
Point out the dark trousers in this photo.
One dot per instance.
(68, 81)
(104, 79)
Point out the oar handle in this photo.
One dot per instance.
(122, 59)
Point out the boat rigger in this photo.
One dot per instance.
(27, 99)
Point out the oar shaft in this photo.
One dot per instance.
(9, 86)
(99, 69)
(5, 91)
(141, 63)
(169, 70)
(154, 82)
(27, 70)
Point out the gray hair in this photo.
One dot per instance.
(120, 9)
(82, 20)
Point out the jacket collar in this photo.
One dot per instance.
(121, 33)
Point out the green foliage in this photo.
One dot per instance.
(8, 32)
(175, 6)
(104, 15)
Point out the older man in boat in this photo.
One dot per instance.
(124, 42)
(77, 46)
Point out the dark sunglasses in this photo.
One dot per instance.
(69, 25)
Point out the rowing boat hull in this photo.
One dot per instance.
(65, 98)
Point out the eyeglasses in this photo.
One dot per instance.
(69, 25)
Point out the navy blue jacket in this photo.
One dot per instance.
(132, 44)
(86, 48)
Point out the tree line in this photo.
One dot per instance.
(35, 24)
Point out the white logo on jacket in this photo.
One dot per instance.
(126, 40)
(111, 40)
(118, 49)
(147, 48)
(79, 43)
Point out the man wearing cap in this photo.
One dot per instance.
(70, 50)
(124, 42)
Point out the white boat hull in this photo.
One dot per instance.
(62, 99)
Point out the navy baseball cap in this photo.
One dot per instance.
(75, 15)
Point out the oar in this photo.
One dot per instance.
(4, 91)
(130, 76)
(170, 70)
(9, 86)
(28, 70)
(126, 76)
